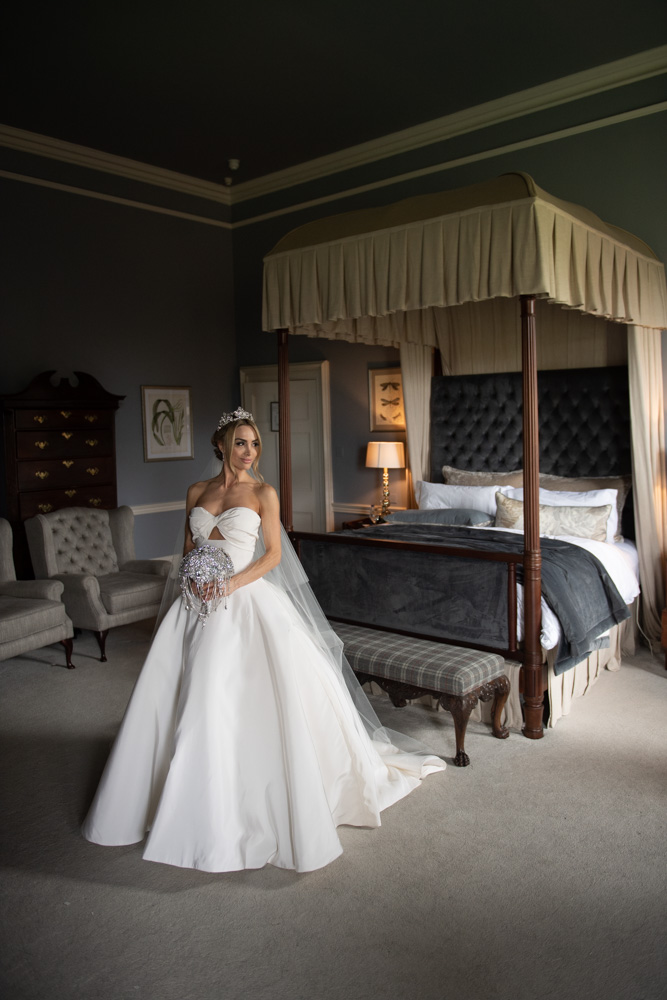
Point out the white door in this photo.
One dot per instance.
(312, 491)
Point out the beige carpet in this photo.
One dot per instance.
(539, 871)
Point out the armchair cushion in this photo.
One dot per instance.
(21, 617)
(154, 567)
(127, 591)
(44, 590)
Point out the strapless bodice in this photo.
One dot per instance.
(239, 527)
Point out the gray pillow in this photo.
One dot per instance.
(442, 515)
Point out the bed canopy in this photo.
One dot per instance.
(390, 276)
(377, 275)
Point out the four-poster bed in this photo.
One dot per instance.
(391, 275)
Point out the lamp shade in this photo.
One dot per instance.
(385, 455)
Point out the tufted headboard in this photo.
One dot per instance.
(584, 421)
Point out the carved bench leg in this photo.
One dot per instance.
(69, 645)
(460, 707)
(502, 686)
(102, 642)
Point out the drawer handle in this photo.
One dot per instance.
(41, 444)
(39, 419)
(42, 475)
(70, 493)
(92, 442)
(44, 507)
(66, 414)
(95, 501)
(68, 463)
(90, 417)
(67, 435)
(92, 472)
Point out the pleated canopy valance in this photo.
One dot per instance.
(381, 275)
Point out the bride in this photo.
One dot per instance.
(247, 739)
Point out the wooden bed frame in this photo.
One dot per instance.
(531, 654)
(533, 674)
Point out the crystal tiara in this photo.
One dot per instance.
(231, 418)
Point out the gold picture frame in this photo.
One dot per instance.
(166, 411)
(385, 399)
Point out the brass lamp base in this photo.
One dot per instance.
(385, 509)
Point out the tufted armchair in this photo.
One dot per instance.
(32, 613)
(92, 553)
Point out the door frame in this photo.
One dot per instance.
(306, 370)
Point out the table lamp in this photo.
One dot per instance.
(385, 455)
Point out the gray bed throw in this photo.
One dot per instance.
(462, 599)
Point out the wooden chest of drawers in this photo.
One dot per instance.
(59, 451)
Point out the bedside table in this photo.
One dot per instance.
(360, 522)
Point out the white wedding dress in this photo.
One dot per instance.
(241, 745)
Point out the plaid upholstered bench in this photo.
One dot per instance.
(406, 668)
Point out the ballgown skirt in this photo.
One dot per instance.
(241, 746)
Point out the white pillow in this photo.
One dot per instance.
(430, 496)
(562, 498)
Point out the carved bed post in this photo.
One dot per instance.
(532, 562)
(284, 440)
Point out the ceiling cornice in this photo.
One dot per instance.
(621, 72)
(108, 163)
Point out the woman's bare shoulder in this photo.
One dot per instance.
(196, 490)
(198, 487)
(267, 495)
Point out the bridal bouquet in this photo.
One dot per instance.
(203, 575)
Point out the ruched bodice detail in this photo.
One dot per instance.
(239, 527)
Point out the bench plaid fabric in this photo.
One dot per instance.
(431, 665)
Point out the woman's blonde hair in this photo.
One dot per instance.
(223, 443)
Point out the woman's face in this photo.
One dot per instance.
(244, 449)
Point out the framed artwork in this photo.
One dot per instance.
(385, 395)
(167, 416)
(275, 417)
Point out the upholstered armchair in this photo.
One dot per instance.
(92, 553)
(32, 613)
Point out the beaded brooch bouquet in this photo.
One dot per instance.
(203, 575)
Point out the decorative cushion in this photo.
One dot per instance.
(431, 665)
(461, 477)
(583, 522)
(433, 495)
(564, 498)
(622, 485)
(441, 515)
(126, 591)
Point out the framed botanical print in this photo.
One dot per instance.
(385, 394)
(167, 418)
